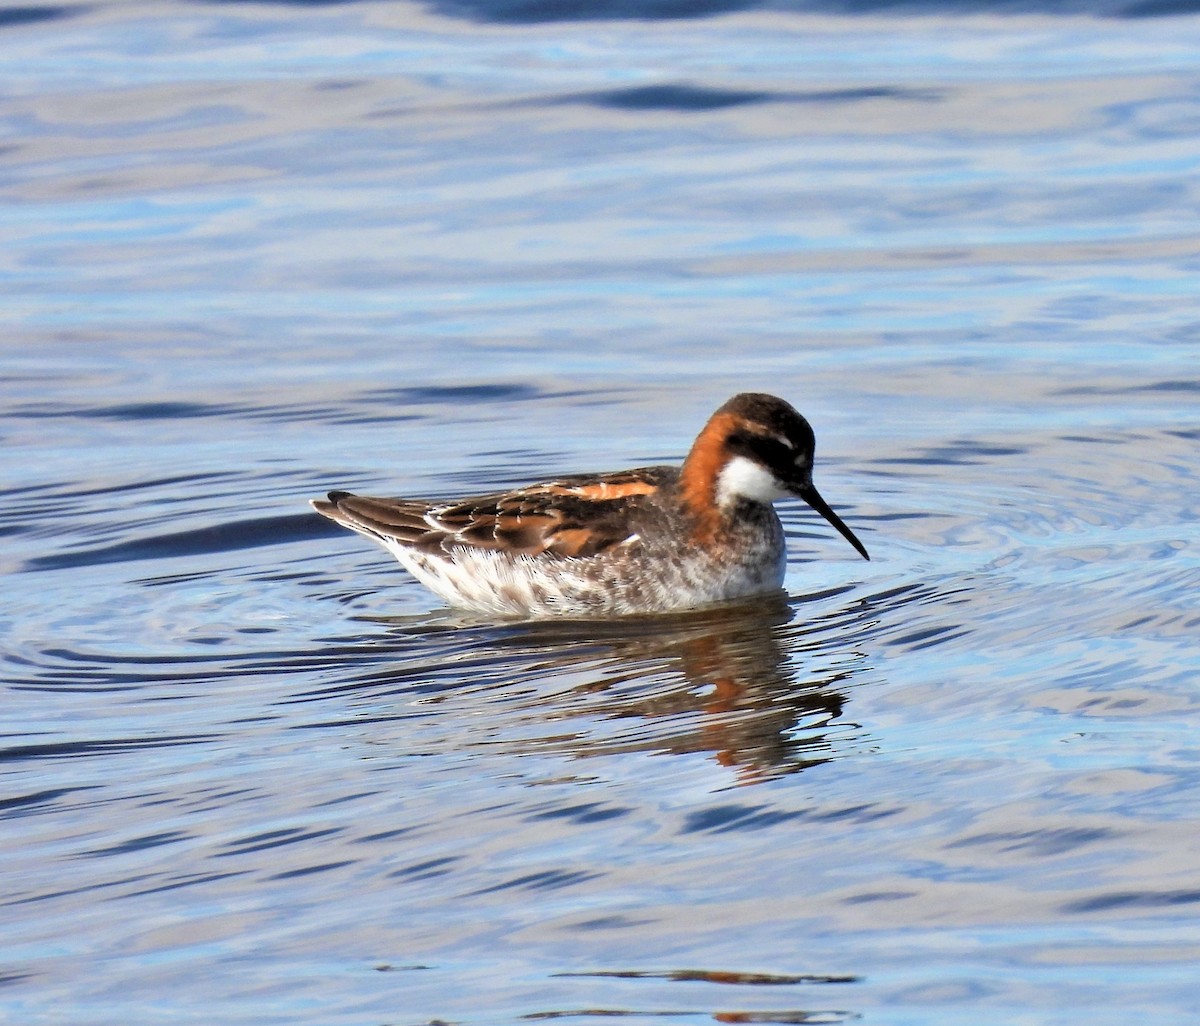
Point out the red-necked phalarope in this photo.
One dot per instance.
(648, 540)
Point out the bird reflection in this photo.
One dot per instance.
(720, 682)
(740, 682)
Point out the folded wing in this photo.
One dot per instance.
(575, 516)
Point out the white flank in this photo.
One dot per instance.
(491, 582)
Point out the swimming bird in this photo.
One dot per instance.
(648, 540)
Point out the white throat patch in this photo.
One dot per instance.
(744, 479)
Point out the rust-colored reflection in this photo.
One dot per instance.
(791, 984)
(743, 682)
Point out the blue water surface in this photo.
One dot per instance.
(253, 773)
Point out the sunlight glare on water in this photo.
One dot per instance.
(253, 773)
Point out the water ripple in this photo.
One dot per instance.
(255, 772)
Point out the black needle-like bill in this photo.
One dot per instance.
(813, 498)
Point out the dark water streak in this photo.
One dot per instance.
(521, 12)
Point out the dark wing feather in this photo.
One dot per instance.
(401, 519)
(574, 516)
